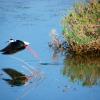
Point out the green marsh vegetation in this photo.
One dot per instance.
(81, 28)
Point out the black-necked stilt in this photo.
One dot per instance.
(14, 46)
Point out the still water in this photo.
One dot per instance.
(64, 79)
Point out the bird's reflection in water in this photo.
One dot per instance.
(18, 79)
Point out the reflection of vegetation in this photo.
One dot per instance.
(82, 27)
(17, 78)
(84, 69)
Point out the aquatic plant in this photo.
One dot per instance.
(81, 28)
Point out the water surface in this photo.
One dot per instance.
(32, 21)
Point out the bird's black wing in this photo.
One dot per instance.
(8, 47)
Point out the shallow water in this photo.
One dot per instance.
(32, 21)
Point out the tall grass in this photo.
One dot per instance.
(81, 28)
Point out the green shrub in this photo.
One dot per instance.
(81, 28)
(82, 25)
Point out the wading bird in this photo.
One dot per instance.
(14, 46)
